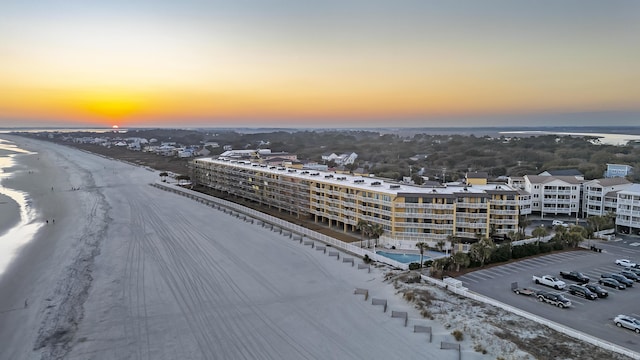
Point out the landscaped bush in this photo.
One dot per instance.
(557, 245)
(428, 263)
(545, 247)
(502, 253)
(366, 259)
(458, 335)
(414, 266)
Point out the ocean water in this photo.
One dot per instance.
(14, 238)
(602, 138)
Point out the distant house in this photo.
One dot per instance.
(360, 172)
(281, 155)
(347, 159)
(329, 156)
(564, 172)
(342, 159)
(618, 170)
(476, 178)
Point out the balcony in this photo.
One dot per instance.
(468, 205)
(504, 212)
(471, 225)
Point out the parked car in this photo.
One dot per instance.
(625, 263)
(553, 299)
(559, 223)
(575, 276)
(612, 283)
(620, 278)
(579, 290)
(630, 275)
(597, 289)
(634, 270)
(627, 322)
(550, 281)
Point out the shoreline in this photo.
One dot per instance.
(41, 257)
(17, 216)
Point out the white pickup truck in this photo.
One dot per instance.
(550, 281)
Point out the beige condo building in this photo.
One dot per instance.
(408, 213)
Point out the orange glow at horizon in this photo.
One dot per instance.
(102, 67)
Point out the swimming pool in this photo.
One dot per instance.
(403, 258)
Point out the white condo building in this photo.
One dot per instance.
(554, 195)
(600, 196)
(628, 210)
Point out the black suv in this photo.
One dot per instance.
(597, 289)
(579, 290)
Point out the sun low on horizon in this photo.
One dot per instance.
(214, 62)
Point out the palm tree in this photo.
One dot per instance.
(523, 222)
(440, 245)
(453, 240)
(460, 259)
(422, 246)
(438, 265)
(363, 227)
(482, 250)
(575, 235)
(375, 232)
(540, 232)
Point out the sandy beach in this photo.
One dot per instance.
(131, 271)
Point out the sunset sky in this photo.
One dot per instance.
(319, 63)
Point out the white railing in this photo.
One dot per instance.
(540, 320)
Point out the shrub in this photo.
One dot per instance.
(457, 334)
(366, 259)
(545, 247)
(414, 266)
(479, 348)
(428, 263)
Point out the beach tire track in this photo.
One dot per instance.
(203, 289)
(60, 323)
(224, 280)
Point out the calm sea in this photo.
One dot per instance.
(14, 238)
(601, 138)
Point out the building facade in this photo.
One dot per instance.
(554, 195)
(618, 170)
(408, 214)
(599, 196)
(628, 210)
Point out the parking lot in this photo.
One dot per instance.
(594, 317)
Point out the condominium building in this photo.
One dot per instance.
(554, 195)
(628, 210)
(408, 213)
(600, 196)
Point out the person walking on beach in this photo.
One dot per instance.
(26, 303)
